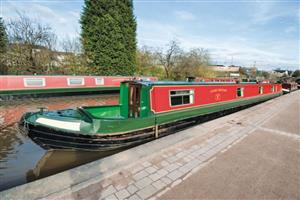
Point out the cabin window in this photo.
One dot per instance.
(99, 81)
(75, 81)
(181, 97)
(260, 89)
(240, 92)
(34, 82)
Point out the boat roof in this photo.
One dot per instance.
(150, 83)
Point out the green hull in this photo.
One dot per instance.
(110, 124)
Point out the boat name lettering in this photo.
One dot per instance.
(218, 90)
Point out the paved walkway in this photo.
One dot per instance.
(253, 153)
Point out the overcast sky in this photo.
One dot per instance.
(265, 32)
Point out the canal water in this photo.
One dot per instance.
(21, 160)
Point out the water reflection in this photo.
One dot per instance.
(21, 160)
(56, 161)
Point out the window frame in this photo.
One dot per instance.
(260, 90)
(191, 93)
(102, 81)
(30, 86)
(69, 82)
(242, 92)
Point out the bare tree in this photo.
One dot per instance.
(168, 58)
(193, 63)
(71, 45)
(31, 45)
(74, 61)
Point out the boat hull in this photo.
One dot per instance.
(49, 138)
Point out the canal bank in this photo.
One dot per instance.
(253, 153)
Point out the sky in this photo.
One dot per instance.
(246, 33)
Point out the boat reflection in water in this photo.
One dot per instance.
(56, 161)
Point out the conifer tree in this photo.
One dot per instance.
(3, 37)
(109, 36)
(3, 47)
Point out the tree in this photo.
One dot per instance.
(3, 47)
(266, 74)
(147, 64)
(109, 36)
(31, 45)
(169, 58)
(193, 63)
(296, 73)
(74, 61)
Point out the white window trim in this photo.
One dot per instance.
(102, 82)
(242, 92)
(192, 94)
(27, 79)
(69, 79)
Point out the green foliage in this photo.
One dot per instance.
(3, 47)
(146, 64)
(109, 36)
(296, 73)
(3, 37)
(193, 63)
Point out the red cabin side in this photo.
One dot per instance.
(207, 94)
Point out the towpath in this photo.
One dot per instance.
(254, 154)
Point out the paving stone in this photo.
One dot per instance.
(151, 170)
(136, 169)
(162, 172)
(108, 191)
(106, 183)
(164, 163)
(155, 176)
(110, 197)
(186, 168)
(181, 154)
(166, 180)
(122, 194)
(120, 187)
(186, 159)
(146, 164)
(143, 182)
(147, 192)
(172, 159)
(174, 175)
(159, 184)
(171, 167)
(140, 175)
(134, 197)
(132, 189)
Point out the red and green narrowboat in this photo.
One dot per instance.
(145, 110)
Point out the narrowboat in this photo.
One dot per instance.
(38, 85)
(146, 109)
